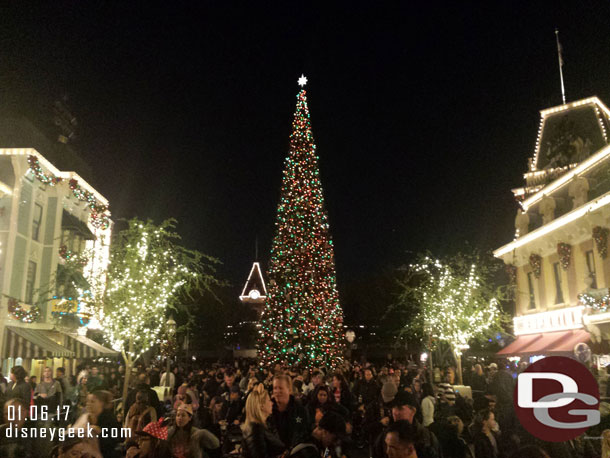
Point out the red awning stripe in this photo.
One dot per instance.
(546, 343)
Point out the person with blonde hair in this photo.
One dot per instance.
(258, 441)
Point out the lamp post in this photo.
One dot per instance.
(171, 331)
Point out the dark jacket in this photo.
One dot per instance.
(483, 446)
(108, 445)
(292, 425)
(426, 443)
(153, 398)
(21, 391)
(259, 442)
(366, 392)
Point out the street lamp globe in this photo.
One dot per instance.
(171, 326)
(350, 336)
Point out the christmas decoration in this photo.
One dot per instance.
(45, 178)
(302, 322)
(69, 255)
(564, 250)
(19, 313)
(453, 304)
(168, 348)
(147, 272)
(99, 218)
(600, 235)
(536, 264)
(598, 303)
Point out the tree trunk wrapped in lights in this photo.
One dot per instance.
(302, 322)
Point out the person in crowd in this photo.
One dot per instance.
(211, 387)
(258, 440)
(172, 380)
(367, 389)
(341, 391)
(94, 381)
(81, 392)
(329, 434)
(225, 388)
(485, 439)
(143, 385)
(428, 404)
(48, 392)
(404, 408)
(3, 384)
(416, 389)
(187, 441)
(289, 417)
(18, 388)
(450, 437)
(99, 415)
(141, 413)
(182, 398)
(478, 382)
(502, 387)
(232, 410)
(323, 401)
(64, 382)
(74, 448)
(400, 440)
(33, 381)
(378, 414)
(151, 442)
(12, 444)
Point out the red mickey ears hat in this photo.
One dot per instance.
(155, 429)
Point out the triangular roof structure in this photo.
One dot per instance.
(256, 283)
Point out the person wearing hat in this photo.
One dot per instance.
(185, 439)
(326, 439)
(404, 407)
(151, 441)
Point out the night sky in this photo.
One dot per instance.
(424, 116)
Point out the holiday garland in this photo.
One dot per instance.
(600, 305)
(69, 255)
(36, 169)
(600, 235)
(536, 264)
(99, 218)
(564, 250)
(19, 313)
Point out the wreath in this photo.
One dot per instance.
(564, 250)
(536, 264)
(600, 235)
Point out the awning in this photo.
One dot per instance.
(547, 343)
(31, 344)
(68, 221)
(520, 343)
(84, 347)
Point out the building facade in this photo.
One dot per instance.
(48, 218)
(558, 261)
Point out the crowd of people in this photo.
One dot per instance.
(240, 409)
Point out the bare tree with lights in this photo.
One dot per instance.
(148, 273)
(453, 302)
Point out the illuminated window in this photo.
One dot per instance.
(29, 283)
(558, 289)
(530, 285)
(591, 268)
(36, 221)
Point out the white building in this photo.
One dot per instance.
(46, 216)
(559, 256)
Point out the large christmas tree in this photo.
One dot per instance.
(302, 322)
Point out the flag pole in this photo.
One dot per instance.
(560, 58)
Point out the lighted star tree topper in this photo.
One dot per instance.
(302, 323)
